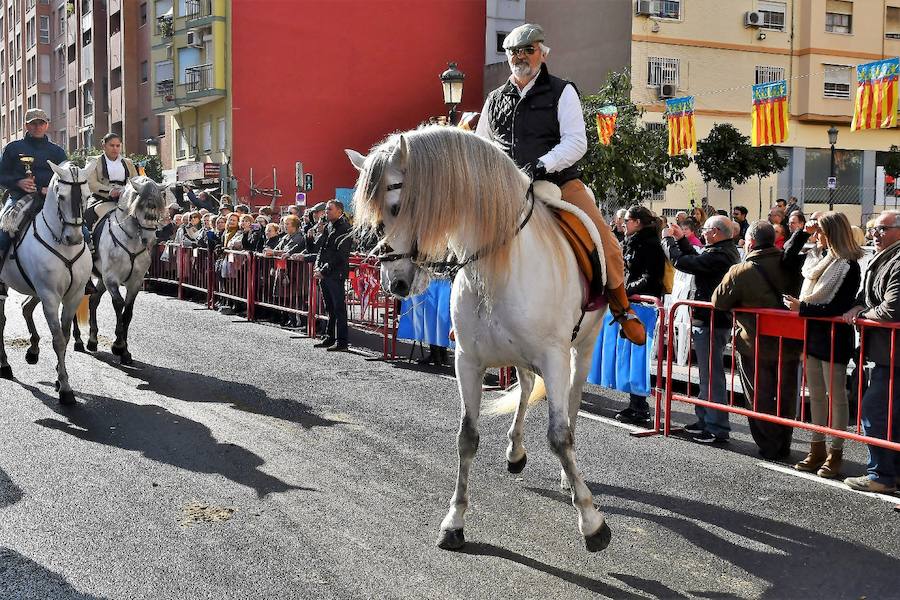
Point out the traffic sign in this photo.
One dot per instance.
(832, 183)
(298, 172)
(300, 199)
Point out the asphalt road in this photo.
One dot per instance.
(236, 461)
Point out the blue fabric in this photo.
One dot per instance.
(426, 318)
(617, 363)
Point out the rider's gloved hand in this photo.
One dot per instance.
(536, 170)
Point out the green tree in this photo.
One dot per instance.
(892, 164)
(725, 157)
(766, 161)
(636, 163)
(82, 156)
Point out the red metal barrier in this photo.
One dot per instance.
(233, 276)
(163, 264)
(661, 334)
(783, 326)
(282, 284)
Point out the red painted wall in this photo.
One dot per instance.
(312, 77)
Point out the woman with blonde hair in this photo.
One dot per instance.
(831, 278)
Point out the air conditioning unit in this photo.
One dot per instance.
(668, 90)
(644, 7)
(753, 19)
(194, 38)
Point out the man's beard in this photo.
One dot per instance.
(522, 70)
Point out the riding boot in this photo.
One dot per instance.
(632, 328)
(89, 288)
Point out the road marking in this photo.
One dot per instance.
(833, 483)
(613, 422)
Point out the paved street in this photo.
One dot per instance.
(235, 461)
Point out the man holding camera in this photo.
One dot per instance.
(332, 269)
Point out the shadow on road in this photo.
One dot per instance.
(10, 493)
(161, 436)
(787, 557)
(24, 579)
(195, 387)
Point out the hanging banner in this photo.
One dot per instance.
(680, 117)
(606, 124)
(769, 115)
(876, 95)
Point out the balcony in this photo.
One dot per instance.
(165, 87)
(164, 27)
(197, 9)
(198, 79)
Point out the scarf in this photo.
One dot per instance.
(228, 235)
(822, 277)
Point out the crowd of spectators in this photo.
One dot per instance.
(806, 264)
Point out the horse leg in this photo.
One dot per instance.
(93, 304)
(469, 378)
(118, 347)
(581, 366)
(516, 456)
(59, 328)
(34, 350)
(127, 314)
(591, 524)
(76, 335)
(5, 369)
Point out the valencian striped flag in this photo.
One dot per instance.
(769, 116)
(680, 116)
(606, 124)
(876, 95)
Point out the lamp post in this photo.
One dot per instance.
(152, 146)
(452, 82)
(832, 139)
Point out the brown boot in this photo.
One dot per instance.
(831, 469)
(814, 460)
(632, 328)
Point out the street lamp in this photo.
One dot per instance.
(152, 146)
(452, 81)
(832, 139)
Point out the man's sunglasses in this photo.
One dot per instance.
(526, 49)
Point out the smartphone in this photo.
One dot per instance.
(255, 226)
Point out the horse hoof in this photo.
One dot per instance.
(117, 350)
(79, 347)
(67, 398)
(6, 372)
(600, 540)
(30, 358)
(126, 359)
(451, 539)
(516, 467)
(92, 346)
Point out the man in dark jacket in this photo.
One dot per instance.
(332, 270)
(710, 332)
(879, 300)
(761, 282)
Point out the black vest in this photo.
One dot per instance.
(528, 127)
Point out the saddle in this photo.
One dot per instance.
(586, 255)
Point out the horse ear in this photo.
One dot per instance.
(356, 158)
(57, 169)
(403, 151)
(136, 184)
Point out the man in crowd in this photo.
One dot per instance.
(710, 331)
(35, 149)
(796, 221)
(780, 203)
(739, 214)
(879, 300)
(791, 206)
(549, 144)
(332, 269)
(293, 241)
(760, 282)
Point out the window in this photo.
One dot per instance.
(31, 71)
(44, 29)
(86, 37)
(145, 129)
(769, 74)
(142, 14)
(838, 16)
(61, 17)
(86, 6)
(73, 99)
(44, 68)
(662, 70)
(837, 81)
(29, 33)
(222, 135)
(145, 71)
(892, 23)
(501, 35)
(88, 97)
(160, 126)
(192, 139)
(115, 23)
(115, 78)
(182, 143)
(207, 136)
(666, 9)
(772, 14)
(60, 62)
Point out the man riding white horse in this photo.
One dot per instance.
(549, 144)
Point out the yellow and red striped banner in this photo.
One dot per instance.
(606, 124)
(680, 117)
(769, 115)
(876, 95)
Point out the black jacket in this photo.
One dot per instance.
(334, 250)
(645, 263)
(12, 169)
(166, 232)
(818, 333)
(254, 240)
(708, 269)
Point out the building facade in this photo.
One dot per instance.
(715, 51)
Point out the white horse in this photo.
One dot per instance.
(50, 263)
(517, 300)
(122, 240)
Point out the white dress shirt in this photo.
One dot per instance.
(573, 138)
(116, 169)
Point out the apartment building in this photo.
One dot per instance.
(190, 43)
(715, 51)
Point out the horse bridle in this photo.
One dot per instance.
(76, 206)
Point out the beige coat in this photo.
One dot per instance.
(99, 183)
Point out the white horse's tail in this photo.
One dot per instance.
(509, 402)
(82, 315)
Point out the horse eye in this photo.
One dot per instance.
(395, 210)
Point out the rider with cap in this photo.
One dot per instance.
(31, 153)
(107, 178)
(549, 143)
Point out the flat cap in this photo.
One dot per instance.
(320, 206)
(524, 35)
(36, 114)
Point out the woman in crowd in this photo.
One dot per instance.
(691, 228)
(254, 240)
(699, 215)
(273, 236)
(189, 232)
(232, 231)
(779, 236)
(644, 272)
(831, 278)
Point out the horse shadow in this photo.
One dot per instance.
(10, 493)
(198, 388)
(25, 579)
(160, 436)
(786, 557)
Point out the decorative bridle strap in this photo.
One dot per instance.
(68, 262)
(132, 256)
